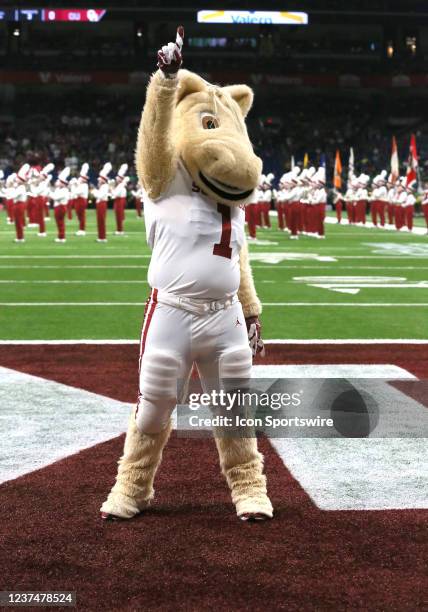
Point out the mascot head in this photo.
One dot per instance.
(211, 138)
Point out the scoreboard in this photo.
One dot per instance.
(52, 14)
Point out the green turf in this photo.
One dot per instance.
(323, 314)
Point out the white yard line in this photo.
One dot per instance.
(254, 267)
(315, 341)
(280, 304)
(332, 268)
(76, 282)
(75, 267)
(30, 256)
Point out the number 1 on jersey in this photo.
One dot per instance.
(223, 248)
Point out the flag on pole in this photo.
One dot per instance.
(306, 160)
(395, 167)
(292, 162)
(350, 165)
(412, 165)
(337, 177)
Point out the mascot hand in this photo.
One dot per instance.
(254, 330)
(169, 57)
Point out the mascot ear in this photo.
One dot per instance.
(243, 96)
(189, 83)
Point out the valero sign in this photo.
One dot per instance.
(253, 17)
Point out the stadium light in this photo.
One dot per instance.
(253, 17)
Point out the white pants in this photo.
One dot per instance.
(174, 339)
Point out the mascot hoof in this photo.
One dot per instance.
(254, 508)
(119, 506)
(106, 516)
(253, 517)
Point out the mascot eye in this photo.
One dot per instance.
(209, 122)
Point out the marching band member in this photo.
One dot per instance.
(280, 204)
(392, 194)
(81, 198)
(266, 200)
(101, 199)
(307, 225)
(9, 195)
(43, 189)
(259, 207)
(338, 204)
(138, 200)
(293, 204)
(350, 201)
(378, 199)
(119, 193)
(20, 201)
(60, 197)
(251, 212)
(407, 202)
(319, 202)
(425, 205)
(361, 198)
(72, 197)
(32, 195)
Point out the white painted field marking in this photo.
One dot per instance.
(254, 267)
(273, 304)
(316, 267)
(374, 473)
(258, 242)
(338, 474)
(275, 258)
(32, 257)
(359, 474)
(353, 284)
(420, 231)
(337, 370)
(350, 304)
(386, 257)
(346, 341)
(43, 421)
(396, 248)
(75, 282)
(268, 341)
(74, 267)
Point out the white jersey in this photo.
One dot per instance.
(119, 191)
(362, 194)
(21, 194)
(406, 199)
(81, 190)
(195, 241)
(60, 196)
(380, 193)
(9, 192)
(266, 196)
(102, 193)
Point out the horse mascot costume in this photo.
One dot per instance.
(198, 170)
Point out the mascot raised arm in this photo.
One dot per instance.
(198, 170)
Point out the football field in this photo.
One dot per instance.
(358, 283)
(352, 307)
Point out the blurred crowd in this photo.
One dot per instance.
(93, 128)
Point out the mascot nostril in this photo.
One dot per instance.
(197, 169)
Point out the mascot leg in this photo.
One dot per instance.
(242, 465)
(240, 461)
(133, 489)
